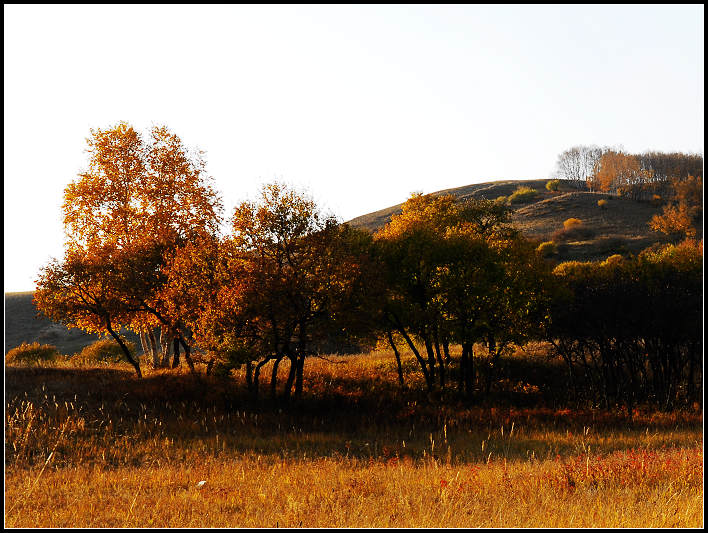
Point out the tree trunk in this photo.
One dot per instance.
(291, 377)
(256, 376)
(249, 376)
(165, 346)
(441, 363)
(175, 359)
(144, 343)
(153, 348)
(431, 357)
(136, 364)
(398, 358)
(446, 350)
(187, 354)
(299, 371)
(423, 366)
(274, 377)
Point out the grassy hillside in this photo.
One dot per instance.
(24, 324)
(621, 227)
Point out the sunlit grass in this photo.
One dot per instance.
(95, 447)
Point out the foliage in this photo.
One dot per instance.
(680, 217)
(571, 223)
(287, 280)
(523, 195)
(602, 204)
(576, 164)
(457, 272)
(630, 330)
(104, 351)
(552, 185)
(124, 217)
(33, 353)
(573, 230)
(546, 249)
(619, 172)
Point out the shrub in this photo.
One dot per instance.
(32, 354)
(613, 260)
(522, 195)
(573, 230)
(553, 185)
(611, 245)
(572, 222)
(602, 204)
(501, 200)
(103, 351)
(657, 201)
(546, 249)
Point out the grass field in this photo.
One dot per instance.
(96, 447)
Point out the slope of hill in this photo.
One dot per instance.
(23, 324)
(620, 227)
(488, 190)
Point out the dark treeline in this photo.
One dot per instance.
(143, 252)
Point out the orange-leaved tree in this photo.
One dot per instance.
(619, 172)
(142, 201)
(286, 280)
(680, 217)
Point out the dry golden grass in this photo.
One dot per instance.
(99, 448)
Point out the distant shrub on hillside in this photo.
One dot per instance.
(611, 245)
(103, 351)
(501, 200)
(615, 259)
(522, 195)
(32, 354)
(657, 201)
(546, 249)
(602, 204)
(572, 222)
(553, 185)
(573, 230)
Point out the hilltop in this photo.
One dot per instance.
(620, 227)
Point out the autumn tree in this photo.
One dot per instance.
(630, 330)
(619, 172)
(285, 281)
(411, 249)
(142, 201)
(680, 217)
(84, 291)
(456, 272)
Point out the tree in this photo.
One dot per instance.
(680, 217)
(144, 200)
(411, 248)
(456, 272)
(630, 330)
(577, 163)
(286, 280)
(621, 172)
(84, 291)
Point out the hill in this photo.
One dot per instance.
(24, 324)
(620, 227)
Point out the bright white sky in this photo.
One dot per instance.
(359, 106)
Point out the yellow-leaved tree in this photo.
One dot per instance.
(133, 207)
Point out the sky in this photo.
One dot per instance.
(357, 106)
